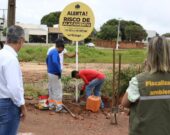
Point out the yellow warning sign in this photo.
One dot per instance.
(76, 21)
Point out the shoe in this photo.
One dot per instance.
(51, 107)
(58, 109)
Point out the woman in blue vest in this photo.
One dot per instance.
(148, 94)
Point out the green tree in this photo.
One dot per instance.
(129, 30)
(91, 37)
(51, 19)
(166, 35)
(107, 32)
(134, 33)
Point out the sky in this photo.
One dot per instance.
(151, 14)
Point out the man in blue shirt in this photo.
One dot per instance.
(54, 76)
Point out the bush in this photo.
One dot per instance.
(107, 88)
(125, 76)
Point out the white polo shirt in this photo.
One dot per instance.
(11, 83)
(133, 90)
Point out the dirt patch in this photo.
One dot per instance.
(33, 72)
(42, 123)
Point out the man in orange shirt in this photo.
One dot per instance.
(93, 80)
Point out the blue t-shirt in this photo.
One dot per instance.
(53, 62)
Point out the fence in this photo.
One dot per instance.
(122, 45)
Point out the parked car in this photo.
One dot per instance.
(90, 44)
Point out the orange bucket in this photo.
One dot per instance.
(93, 103)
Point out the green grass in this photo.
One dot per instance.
(33, 53)
(37, 53)
(34, 91)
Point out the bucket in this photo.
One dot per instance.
(42, 102)
(93, 103)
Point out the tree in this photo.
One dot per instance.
(134, 33)
(129, 30)
(91, 37)
(51, 19)
(166, 35)
(107, 32)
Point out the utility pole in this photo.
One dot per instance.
(11, 12)
(118, 32)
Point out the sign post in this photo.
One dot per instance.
(77, 68)
(76, 23)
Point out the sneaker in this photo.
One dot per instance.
(52, 107)
(58, 109)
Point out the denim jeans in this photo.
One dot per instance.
(9, 117)
(95, 85)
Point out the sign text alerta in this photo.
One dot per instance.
(76, 21)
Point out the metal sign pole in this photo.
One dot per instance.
(76, 32)
(113, 108)
(77, 68)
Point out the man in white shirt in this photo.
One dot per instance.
(63, 54)
(12, 103)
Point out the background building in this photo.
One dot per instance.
(35, 33)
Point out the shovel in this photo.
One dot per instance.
(70, 112)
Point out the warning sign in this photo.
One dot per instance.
(76, 21)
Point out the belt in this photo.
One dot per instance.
(56, 74)
(5, 99)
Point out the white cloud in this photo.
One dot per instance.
(151, 14)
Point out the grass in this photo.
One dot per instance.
(37, 53)
(33, 53)
(34, 91)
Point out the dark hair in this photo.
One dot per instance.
(59, 43)
(1, 45)
(74, 73)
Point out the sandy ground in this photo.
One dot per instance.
(42, 123)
